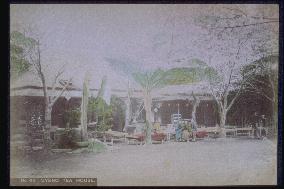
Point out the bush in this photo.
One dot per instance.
(95, 146)
(72, 117)
(66, 140)
(92, 146)
(103, 127)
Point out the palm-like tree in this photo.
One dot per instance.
(195, 71)
(149, 81)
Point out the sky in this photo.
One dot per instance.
(82, 37)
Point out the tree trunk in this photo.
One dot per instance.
(84, 110)
(193, 114)
(47, 126)
(223, 115)
(275, 116)
(127, 111)
(148, 103)
(47, 110)
(47, 118)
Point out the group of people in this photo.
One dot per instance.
(185, 130)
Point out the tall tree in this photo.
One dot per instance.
(84, 108)
(128, 107)
(238, 36)
(149, 81)
(126, 68)
(33, 55)
(195, 104)
(101, 106)
(264, 82)
(226, 87)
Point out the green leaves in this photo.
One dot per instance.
(19, 45)
(102, 111)
(72, 117)
(183, 76)
(195, 71)
(178, 76)
(151, 79)
(21, 40)
(175, 76)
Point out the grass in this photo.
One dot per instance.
(92, 146)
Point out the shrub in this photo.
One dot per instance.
(95, 146)
(72, 117)
(66, 139)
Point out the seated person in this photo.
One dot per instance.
(157, 126)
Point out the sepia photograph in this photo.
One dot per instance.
(143, 94)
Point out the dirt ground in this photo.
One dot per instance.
(205, 162)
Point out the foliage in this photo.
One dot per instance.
(151, 79)
(103, 113)
(95, 146)
(158, 78)
(263, 65)
(66, 139)
(84, 107)
(263, 76)
(102, 88)
(19, 38)
(179, 76)
(195, 71)
(100, 109)
(72, 117)
(19, 44)
(118, 112)
(91, 146)
(263, 82)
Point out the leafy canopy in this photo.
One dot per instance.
(151, 79)
(20, 46)
(175, 76)
(194, 71)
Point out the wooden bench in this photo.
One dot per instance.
(245, 131)
(230, 131)
(133, 140)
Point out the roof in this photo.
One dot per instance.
(29, 84)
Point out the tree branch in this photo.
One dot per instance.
(236, 10)
(60, 72)
(215, 97)
(54, 99)
(245, 25)
(261, 93)
(262, 82)
(237, 94)
(229, 81)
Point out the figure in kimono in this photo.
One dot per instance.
(178, 130)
